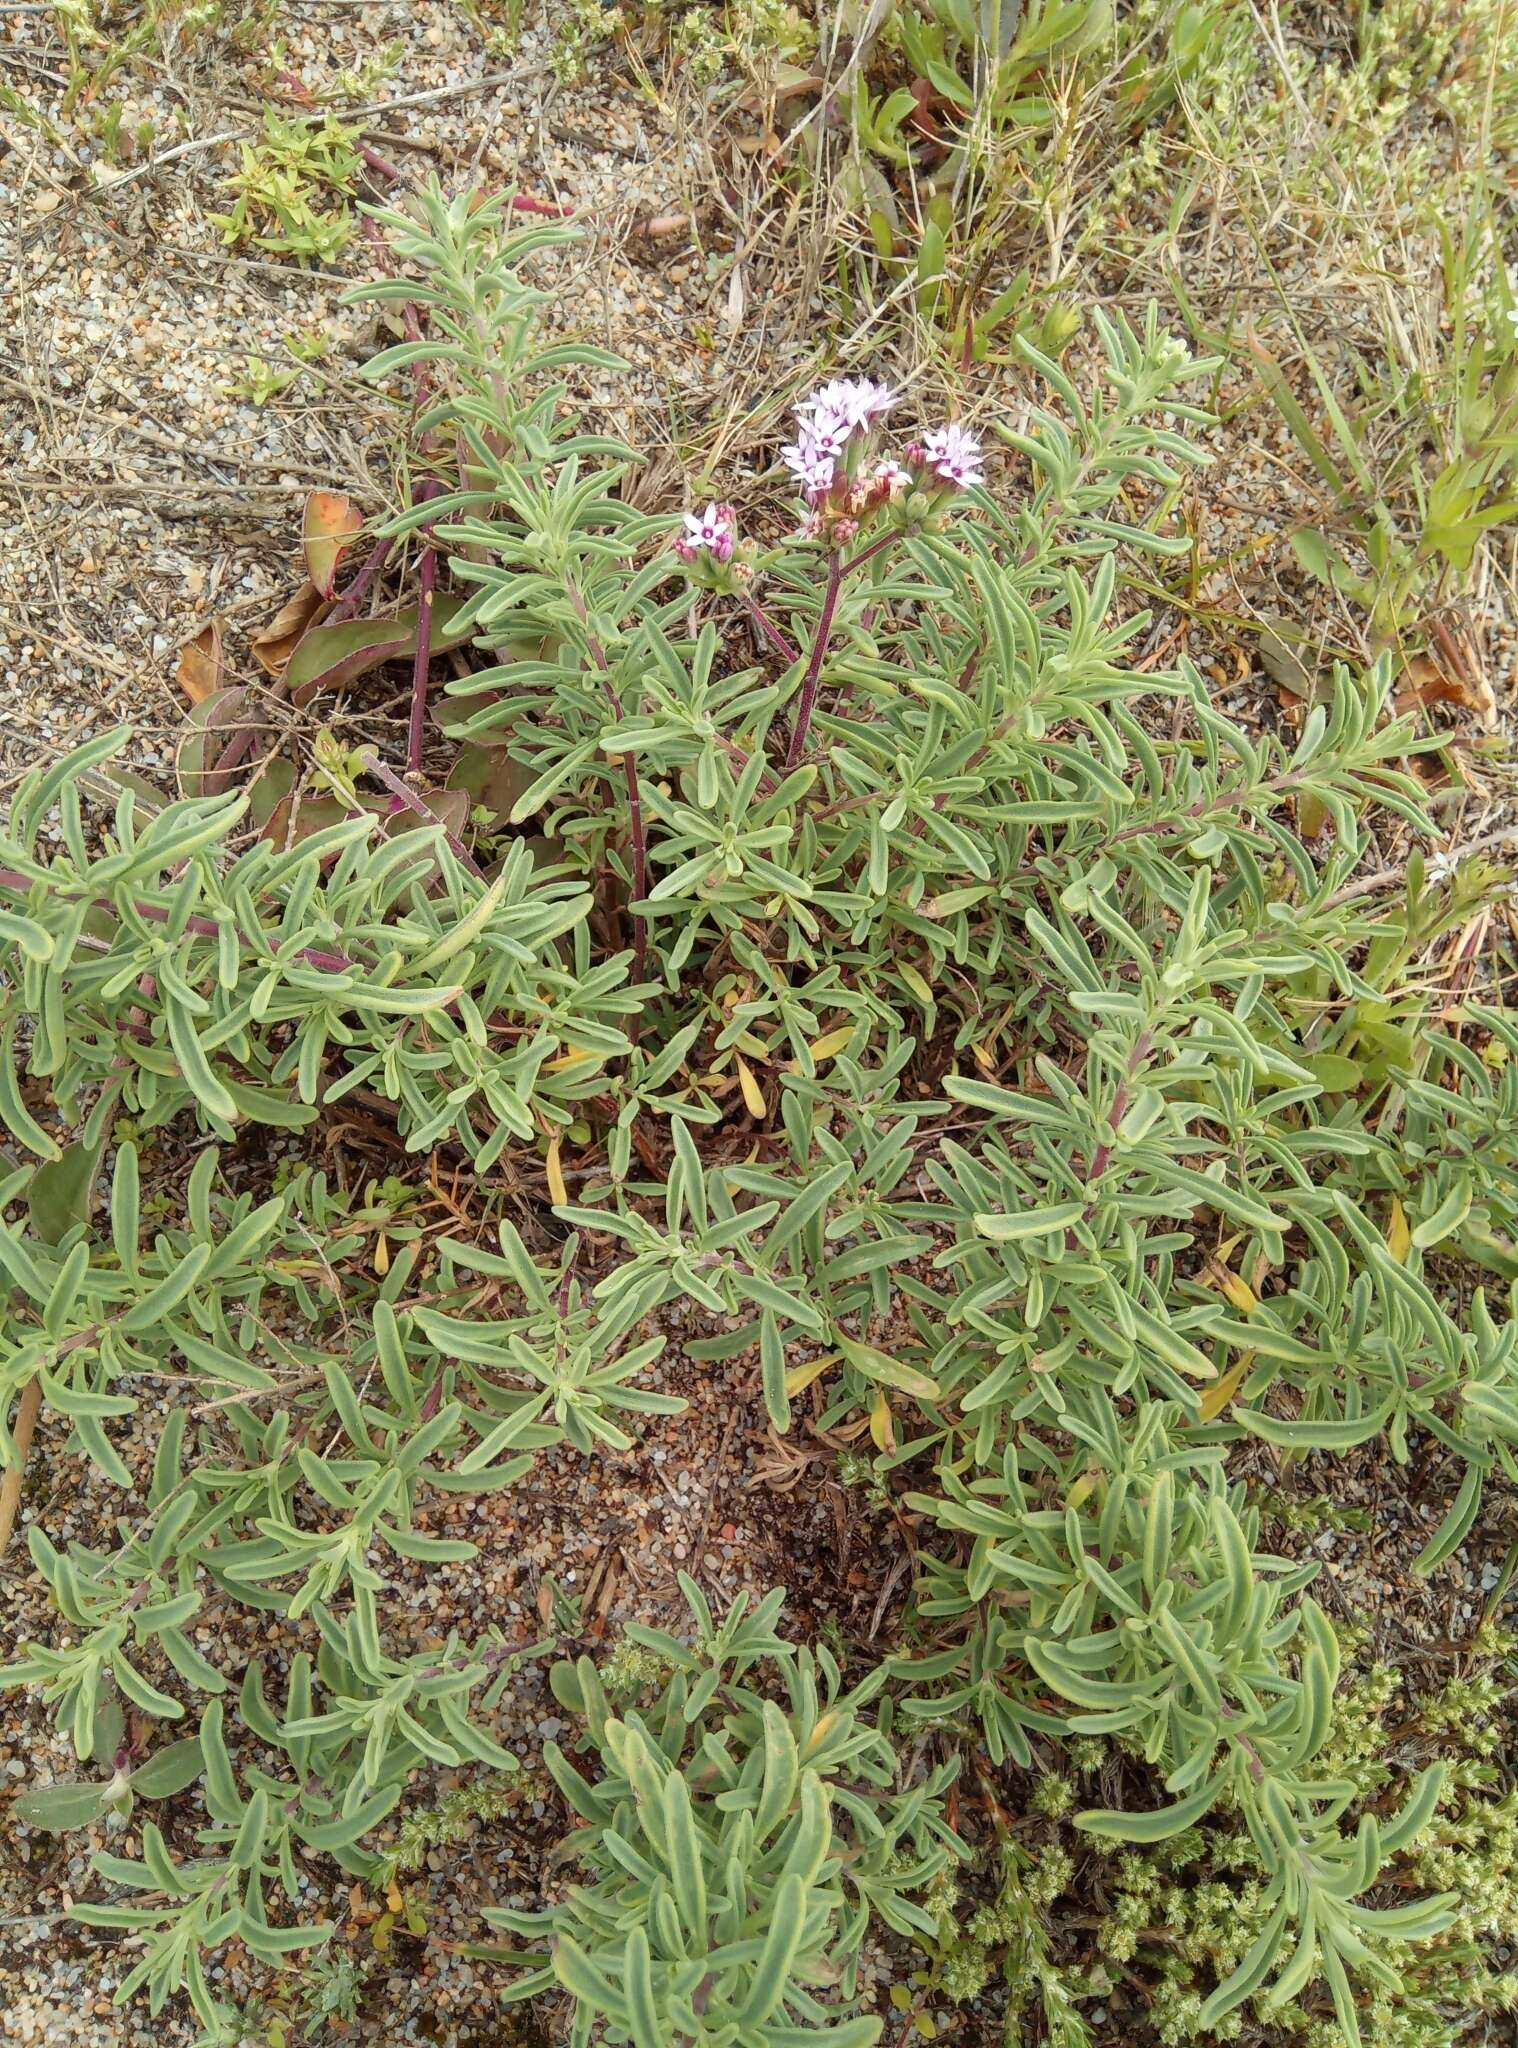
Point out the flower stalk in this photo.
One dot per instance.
(808, 698)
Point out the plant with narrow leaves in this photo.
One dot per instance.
(69, 1803)
(1012, 1058)
(1124, 1578)
(258, 986)
(738, 1848)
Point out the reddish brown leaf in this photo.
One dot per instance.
(924, 117)
(290, 822)
(200, 663)
(450, 807)
(490, 778)
(330, 656)
(331, 521)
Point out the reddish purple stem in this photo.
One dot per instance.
(383, 165)
(423, 658)
(868, 554)
(520, 202)
(814, 667)
(362, 583)
(769, 629)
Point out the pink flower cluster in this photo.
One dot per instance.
(832, 460)
(836, 414)
(834, 423)
(955, 456)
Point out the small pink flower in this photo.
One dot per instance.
(891, 479)
(813, 463)
(684, 549)
(824, 434)
(711, 528)
(955, 455)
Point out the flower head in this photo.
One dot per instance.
(954, 455)
(854, 404)
(891, 480)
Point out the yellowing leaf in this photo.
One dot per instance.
(1217, 1397)
(284, 633)
(887, 1371)
(381, 1255)
(831, 1042)
(1312, 814)
(917, 983)
(1081, 1490)
(1232, 1287)
(820, 1733)
(753, 1094)
(882, 1428)
(555, 1172)
(983, 1058)
(1399, 1236)
(200, 663)
(800, 1377)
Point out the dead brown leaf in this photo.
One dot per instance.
(1426, 681)
(200, 663)
(285, 631)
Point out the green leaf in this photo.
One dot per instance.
(169, 1770)
(1446, 1219)
(60, 1192)
(580, 1977)
(1158, 1826)
(56, 1808)
(638, 1981)
(1326, 1434)
(781, 1942)
(1030, 1222)
(683, 1846)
